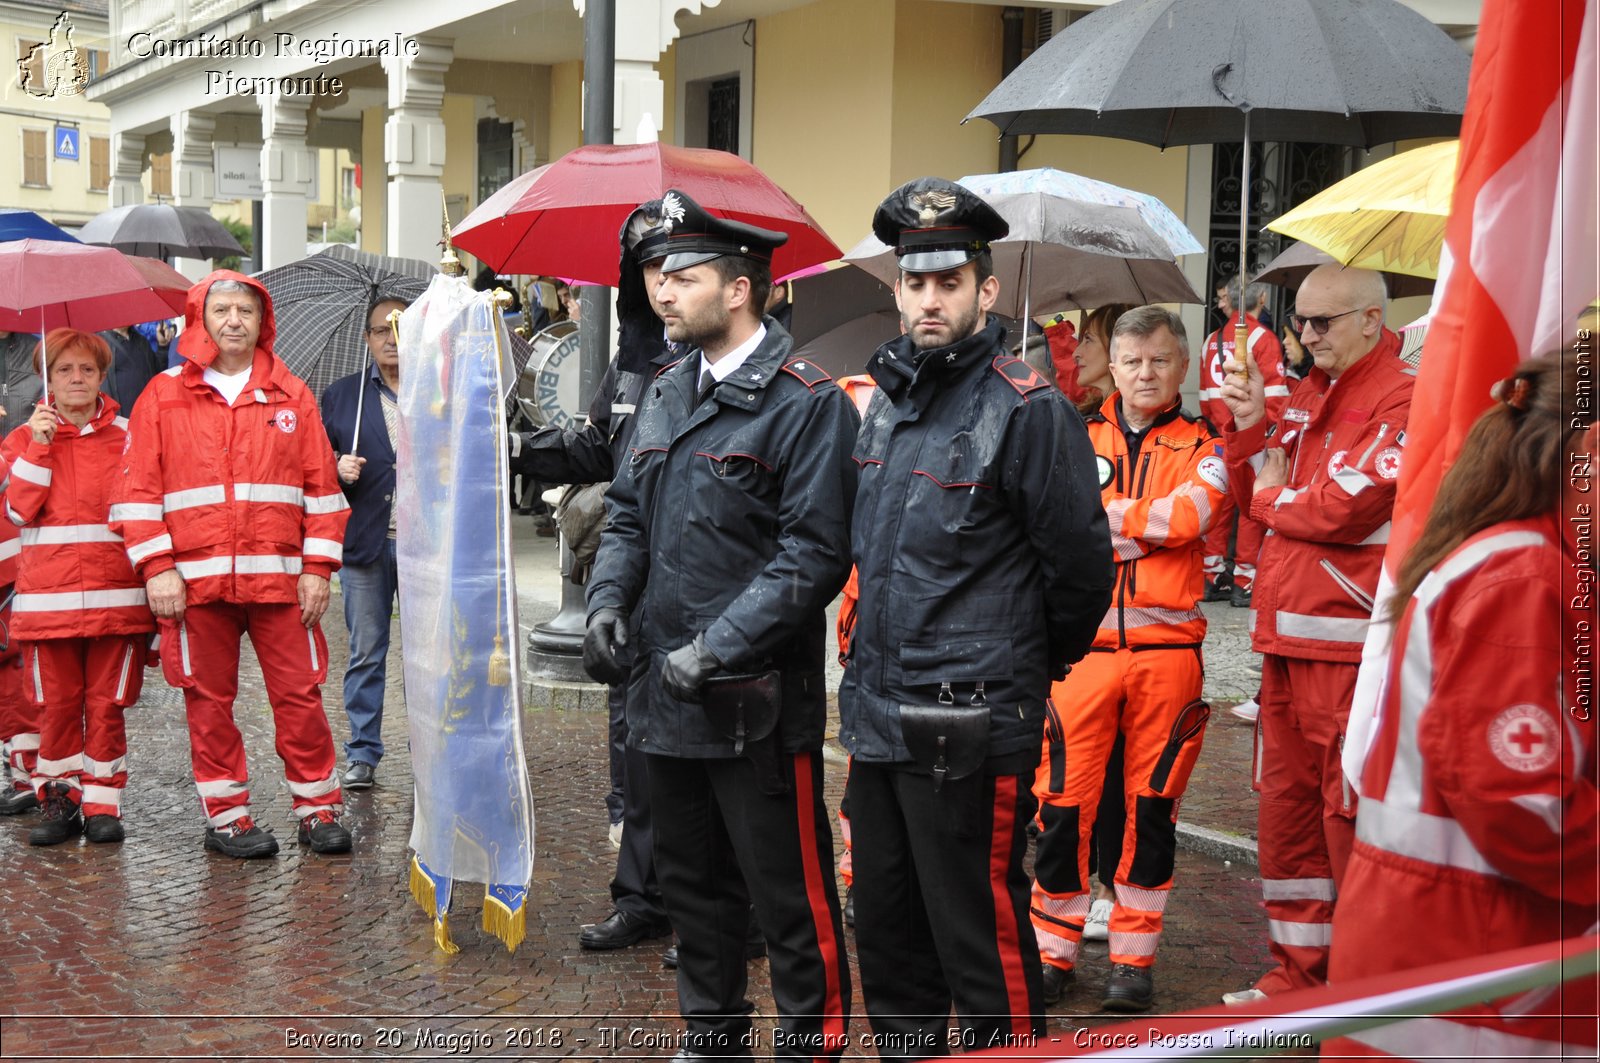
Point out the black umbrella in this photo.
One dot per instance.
(1168, 72)
(824, 301)
(161, 230)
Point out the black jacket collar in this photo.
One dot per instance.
(898, 365)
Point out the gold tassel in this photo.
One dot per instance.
(499, 663)
(510, 927)
(422, 893)
(441, 935)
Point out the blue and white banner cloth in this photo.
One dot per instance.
(474, 811)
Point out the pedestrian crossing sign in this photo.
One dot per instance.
(66, 143)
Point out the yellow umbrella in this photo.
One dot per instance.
(1389, 216)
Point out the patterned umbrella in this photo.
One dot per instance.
(1052, 182)
(320, 305)
(320, 308)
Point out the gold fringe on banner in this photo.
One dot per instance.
(507, 925)
(423, 893)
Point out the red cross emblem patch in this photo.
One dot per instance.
(1387, 463)
(1524, 738)
(286, 421)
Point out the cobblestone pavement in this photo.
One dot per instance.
(156, 949)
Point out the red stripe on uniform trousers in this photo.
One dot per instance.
(1005, 918)
(827, 944)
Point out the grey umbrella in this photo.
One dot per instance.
(1064, 254)
(1167, 72)
(1299, 259)
(161, 230)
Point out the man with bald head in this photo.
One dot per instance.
(1321, 478)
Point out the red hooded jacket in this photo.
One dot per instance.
(239, 499)
(74, 579)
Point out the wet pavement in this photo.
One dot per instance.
(156, 949)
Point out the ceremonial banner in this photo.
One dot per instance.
(474, 812)
(1519, 263)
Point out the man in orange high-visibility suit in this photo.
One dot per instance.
(233, 516)
(1162, 477)
(1322, 479)
(1267, 353)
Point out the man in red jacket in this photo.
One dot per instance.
(1321, 478)
(233, 517)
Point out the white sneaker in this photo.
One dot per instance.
(1247, 710)
(615, 834)
(1243, 996)
(1098, 926)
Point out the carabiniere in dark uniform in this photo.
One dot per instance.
(984, 564)
(729, 535)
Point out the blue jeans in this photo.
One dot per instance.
(369, 595)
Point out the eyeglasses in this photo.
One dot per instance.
(382, 332)
(1319, 324)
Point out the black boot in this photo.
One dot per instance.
(62, 817)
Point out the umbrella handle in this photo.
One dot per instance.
(44, 360)
(361, 395)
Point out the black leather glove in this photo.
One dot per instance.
(606, 635)
(687, 668)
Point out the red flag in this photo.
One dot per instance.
(1519, 255)
(1519, 262)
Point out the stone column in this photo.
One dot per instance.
(127, 167)
(286, 175)
(194, 174)
(413, 147)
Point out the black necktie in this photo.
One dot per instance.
(707, 382)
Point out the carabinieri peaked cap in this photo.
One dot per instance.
(695, 236)
(934, 225)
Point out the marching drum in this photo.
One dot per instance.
(547, 391)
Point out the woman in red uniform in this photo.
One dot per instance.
(79, 612)
(1478, 812)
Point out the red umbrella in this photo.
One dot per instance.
(46, 284)
(563, 218)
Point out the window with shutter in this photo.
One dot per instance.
(35, 168)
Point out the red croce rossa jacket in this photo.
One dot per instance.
(240, 500)
(74, 579)
(1328, 528)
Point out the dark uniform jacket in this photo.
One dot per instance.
(982, 548)
(591, 452)
(732, 518)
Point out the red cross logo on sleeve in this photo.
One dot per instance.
(1523, 738)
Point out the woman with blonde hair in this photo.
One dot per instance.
(1479, 811)
(79, 611)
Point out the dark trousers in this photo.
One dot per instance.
(942, 910)
(634, 889)
(716, 832)
(617, 751)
